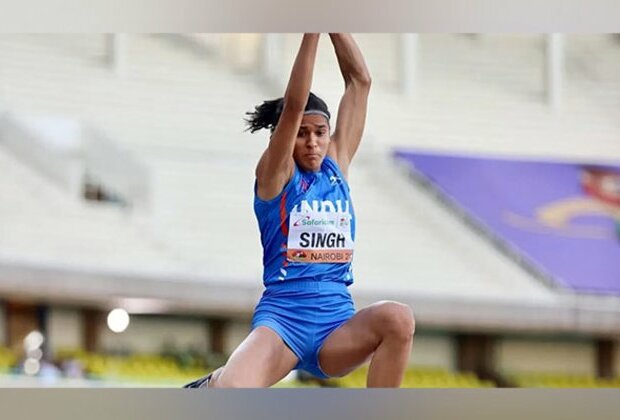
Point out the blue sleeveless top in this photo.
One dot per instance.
(308, 230)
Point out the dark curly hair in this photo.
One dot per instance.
(267, 114)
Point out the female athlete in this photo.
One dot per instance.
(306, 318)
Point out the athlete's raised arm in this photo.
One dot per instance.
(354, 102)
(276, 165)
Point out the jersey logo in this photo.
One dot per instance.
(304, 185)
(299, 221)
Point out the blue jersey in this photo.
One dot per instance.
(308, 230)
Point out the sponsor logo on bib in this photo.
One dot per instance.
(320, 232)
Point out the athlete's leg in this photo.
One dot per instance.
(261, 360)
(383, 330)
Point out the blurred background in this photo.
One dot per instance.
(487, 191)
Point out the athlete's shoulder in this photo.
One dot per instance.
(293, 181)
(333, 172)
(331, 165)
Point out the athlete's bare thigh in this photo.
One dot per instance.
(261, 360)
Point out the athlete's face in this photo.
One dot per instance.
(312, 142)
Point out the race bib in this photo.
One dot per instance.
(319, 236)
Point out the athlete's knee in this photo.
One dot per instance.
(396, 320)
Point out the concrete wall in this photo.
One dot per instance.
(2, 326)
(64, 329)
(519, 355)
(617, 358)
(236, 332)
(151, 334)
(433, 351)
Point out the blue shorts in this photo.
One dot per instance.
(303, 314)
